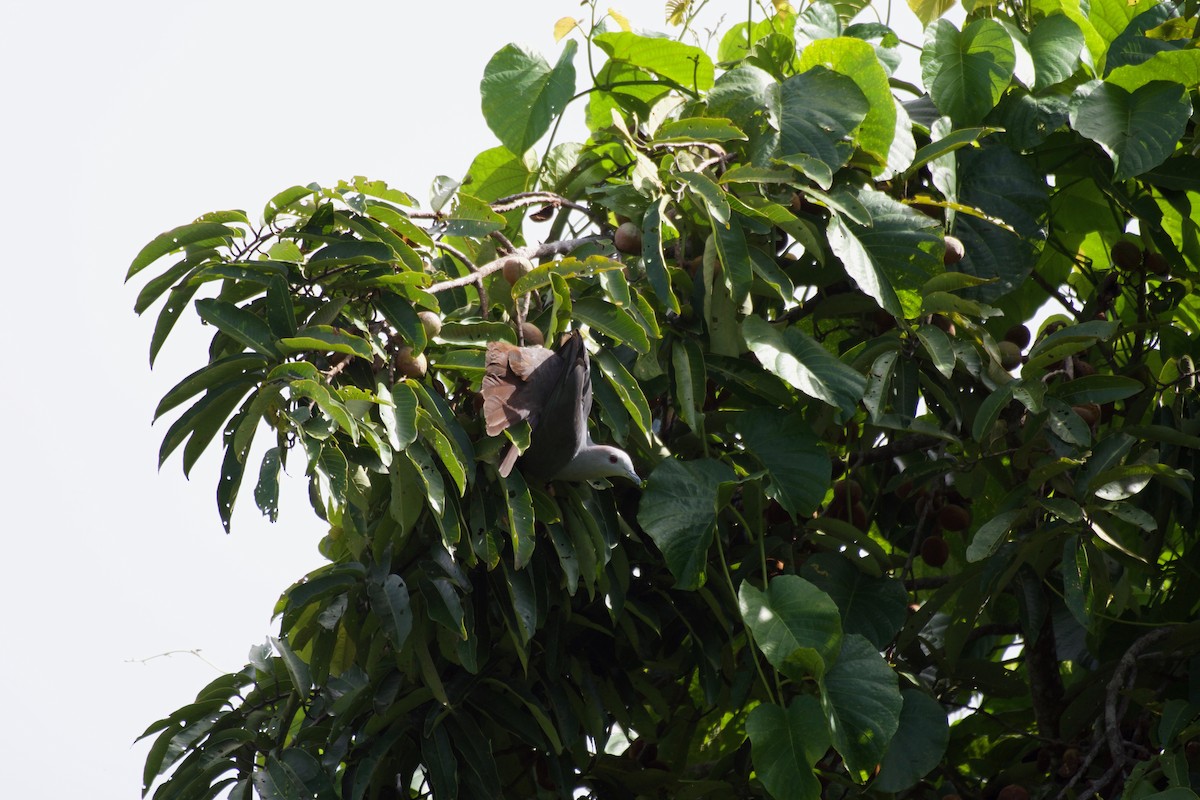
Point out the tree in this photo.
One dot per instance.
(904, 531)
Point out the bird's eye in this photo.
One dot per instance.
(612, 459)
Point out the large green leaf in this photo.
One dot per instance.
(241, 325)
(891, 258)
(1006, 187)
(966, 72)
(862, 703)
(872, 607)
(797, 464)
(856, 59)
(498, 173)
(684, 64)
(679, 510)
(1138, 129)
(801, 361)
(795, 625)
(389, 600)
(820, 109)
(522, 94)
(918, 745)
(785, 744)
(179, 238)
(1055, 44)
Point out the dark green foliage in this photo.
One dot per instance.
(735, 628)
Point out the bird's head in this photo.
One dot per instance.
(599, 461)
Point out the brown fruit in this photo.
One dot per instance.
(1013, 792)
(516, 266)
(944, 323)
(531, 334)
(847, 491)
(431, 322)
(1126, 255)
(1018, 335)
(1081, 368)
(628, 238)
(935, 551)
(954, 251)
(774, 567)
(1010, 355)
(409, 365)
(954, 518)
(859, 518)
(1155, 263)
(1088, 412)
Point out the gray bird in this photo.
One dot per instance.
(552, 391)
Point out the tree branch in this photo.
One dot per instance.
(532, 252)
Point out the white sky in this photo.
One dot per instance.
(120, 120)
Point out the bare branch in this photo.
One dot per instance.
(532, 252)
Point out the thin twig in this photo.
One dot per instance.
(532, 252)
(522, 199)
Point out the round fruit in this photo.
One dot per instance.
(1018, 335)
(1156, 263)
(628, 238)
(516, 266)
(954, 251)
(1088, 412)
(1010, 355)
(1126, 255)
(1013, 792)
(935, 551)
(944, 323)
(1081, 368)
(431, 322)
(954, 518)
(531, 334)
(859, 518)
(847, 491)
(409, 365)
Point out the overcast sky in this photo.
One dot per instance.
(120, 120)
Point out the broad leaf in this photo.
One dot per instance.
(1137, 129)
(820, 109)
(798, 466)
(679, 510)
(785, 744)
(919, 743)
(795, 625)
(862, 703)
(797, 358)
(522, 94)
(872, 607)
(966, 72)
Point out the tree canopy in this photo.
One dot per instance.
(910, 369)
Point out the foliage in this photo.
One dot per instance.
(891, 540)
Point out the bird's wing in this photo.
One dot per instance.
(561, 429)
(516, 383)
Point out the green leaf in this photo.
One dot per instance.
(929, 10)
(520, 518)
(522, 94)
(795, 625)
(862, 703)
(223, 370)
(698, 129)
(962, 137)
(683, 64)
(400, 419)
(567, 269)
(1177, 66)
(992, 533)
(796, 357)
(1138, 129)
(626, 386)
(388, 596)
(893, 257)
(179, 238)
(324, 338)
(871, 606)
(799, 468)
(498, 173)
(241, 325)
(401, 315)
(266, 491)
(734, 254)
(709, 193)
(613, 321)
(473, 218)
(785, 744)
(652, 255)
(966, 72)
(856, 59)
(689, 381)
(296, 668)
(1055, 44)
(820, 109)
(989, 411)
(679, 511)
(919, 743)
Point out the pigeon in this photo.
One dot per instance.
(552, 391)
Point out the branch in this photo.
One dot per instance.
(522, 199)
(532, 252)
(909, 444)
(1127, 664)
